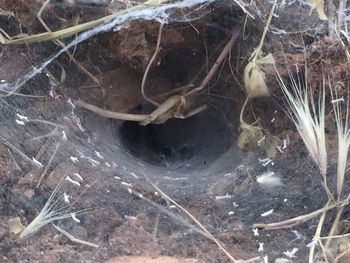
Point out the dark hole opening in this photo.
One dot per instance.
(186, 144)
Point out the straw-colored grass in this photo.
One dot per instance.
(343, 130)
(309, 120)
(54, 209)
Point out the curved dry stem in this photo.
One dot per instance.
(299, 219)
(156, 52)
(111, 114)
(219, 60)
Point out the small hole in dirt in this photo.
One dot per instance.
(179, 144)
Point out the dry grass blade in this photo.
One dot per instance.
(63, 33)
(22, 94)
(299, 219)
(202, 227)
(74, 239)
(47, 167)
(172, 215)
(110, 114)
(334, 226)
(19, 152)
(67, 32)
(316, 238)
(309, 122)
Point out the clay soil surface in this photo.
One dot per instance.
(113, 166)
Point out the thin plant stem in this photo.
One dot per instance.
(317, 234)
(156, 52)
(48, 164)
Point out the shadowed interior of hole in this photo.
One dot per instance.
(185, 144)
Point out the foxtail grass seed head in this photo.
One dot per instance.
(55, 208)
(343, 130)
(309, 121)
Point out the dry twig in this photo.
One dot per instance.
(74, 239)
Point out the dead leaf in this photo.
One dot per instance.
(254, 75)
(248, 138)
(15, 225)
